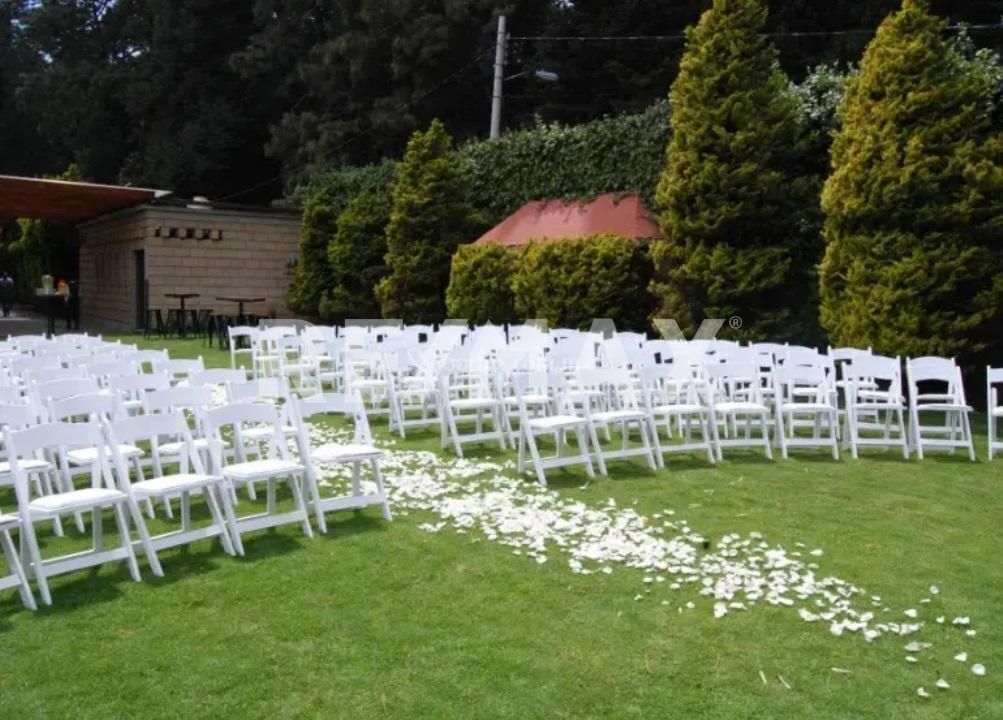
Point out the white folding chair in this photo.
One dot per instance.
(874, 403)
(558, 424)
(359, 452)
(803, 391)
(946, 400)
(146, 358)
(237, 333)
(674, 396)
(276, 464)
(737, 399)
(190, 478)
(467, 396)
(59, 438)
(622, 409)
(994, 408)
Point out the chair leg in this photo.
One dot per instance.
(217, 517)
(14, 563)
(144, 539)
(378, 477)
(31, 560)
(123, 531)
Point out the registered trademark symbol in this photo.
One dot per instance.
(735, 322)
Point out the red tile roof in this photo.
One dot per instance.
(624, 215)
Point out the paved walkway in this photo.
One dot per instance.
(24, 320)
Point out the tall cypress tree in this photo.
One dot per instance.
(738, 197)
(429, 218)
(914, 205)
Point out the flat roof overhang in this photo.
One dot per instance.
(22, 197)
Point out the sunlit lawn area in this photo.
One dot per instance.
(388, 620)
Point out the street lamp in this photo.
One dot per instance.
(499, 78)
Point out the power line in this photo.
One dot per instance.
(662, 38)
(369, 131)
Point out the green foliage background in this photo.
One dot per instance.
(914, 205)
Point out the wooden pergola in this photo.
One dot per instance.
(23, 197)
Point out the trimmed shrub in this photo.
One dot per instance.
(356, 258)
(914, 204)
(480, 284)
(570, 282)
(738, 199)
(429, 219)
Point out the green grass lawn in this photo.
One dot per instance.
(381, 620)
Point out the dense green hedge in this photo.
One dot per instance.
(621, 154)
(480, 284)
(571, 282)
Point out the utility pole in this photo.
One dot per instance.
(496, 94)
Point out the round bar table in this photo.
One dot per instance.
(182, 297)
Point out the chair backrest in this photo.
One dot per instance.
(44, 375)
(806, 379)
(59, 389)
(179, 368)
(333, 404)
(877, 369)
(133, 385)
(17, 415)
(217, 376)
(116, 368)
(937, 370)
(239, 417)
(268, 389)
(53, 439)
(194, 399)
(92, 407)
(154, 429)
(994, 376)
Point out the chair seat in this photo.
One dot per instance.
(808, 407)
(333, 453)
(88, 456)
(9, 522)
(172, 484)
(618, 416)
(680, 409)
(260, 434)
(998, 412)
(944, 407)
(76, 500)
(483, 403)
(739, 407)
(260, 469)
(529, 399)
(27, 464)
(174, 448)
(556, 422)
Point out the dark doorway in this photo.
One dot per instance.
(141, 289)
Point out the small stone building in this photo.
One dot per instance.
(138, 244)
(131, 259)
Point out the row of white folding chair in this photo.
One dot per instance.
(240, 418)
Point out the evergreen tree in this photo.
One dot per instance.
(429, 218)
(738, 192)
(914, 204)
(356, 258)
